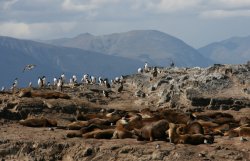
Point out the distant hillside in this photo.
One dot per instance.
(52, 61)
(235, 50)
(153, 46)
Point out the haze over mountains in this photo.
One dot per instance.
(52, 61)
(110, 55)
(153, 46)
(235, 50)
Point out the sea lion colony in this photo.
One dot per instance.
(161, 124)
(120, 125)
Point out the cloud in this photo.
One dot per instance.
(86, 6)
(47, 19)
(6, 4)
(172, 5)
(14, 29)
(233, 4)
(225, 13)
(69, 5)
(36, 30)
(192, 6)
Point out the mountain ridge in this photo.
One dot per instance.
(234, 50)
(153, 46)
(53, 60)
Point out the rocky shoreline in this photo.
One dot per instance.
(219, 88)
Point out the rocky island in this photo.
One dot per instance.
(159, 113)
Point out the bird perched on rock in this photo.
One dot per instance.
(3, 89)
(93, 80)
(139, 70)
(29, 67)
(60, 84)
(172, 64)
(15, 83)
(63, 78)
(55, 81)
(74, 79)
(146, 69)
(120, 88)
(44, 82)
(105, 93)
(107, 83)
(40, 82)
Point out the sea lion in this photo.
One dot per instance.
(208, 116)
(193, 139)
(190, 128)
(174, 116)
(244, 121)
(77, 125)
(214, 128)
(38, 122)
(73, 134)
(122, 130)
(43, 94)
(207, 123)
(83, 130)
(240, 131)
(137, 121)
(155, 130)
(100, 134)
(223, 120)
(99, 121)
(220, 130)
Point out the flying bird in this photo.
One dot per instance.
(29, 67)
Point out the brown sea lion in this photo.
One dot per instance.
(208, 116)
(99, 121)
(136, 121)
(224, 120)
(231, 133)
(207, 124)
(38, 122)
(214, 128)
(240, 131)
(77, 125)
(122, 130)
(190, 128)
(88, 116)
(175, 116)
(220, 130)
(83, 130)
(73, 134)
(193, 139)
(111, 117)
(155, 130)
(43, 94)
(100, 134)
(244, 121)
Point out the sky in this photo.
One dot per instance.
(196, 22)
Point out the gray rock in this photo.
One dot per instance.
(140, 93)
(159, 154)
(88, 152)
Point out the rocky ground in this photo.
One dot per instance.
(224, 88)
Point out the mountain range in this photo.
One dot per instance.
(153, 46)
(110, 55)
(235, 50)
(52, 61)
